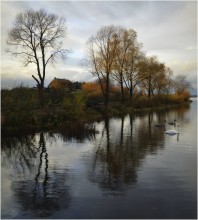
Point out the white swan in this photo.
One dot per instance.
(172, 132)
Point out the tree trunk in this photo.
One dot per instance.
(122, 91)
(149, 93)
(149, 89)
(107, 93)
(131, 91)
(41, 96)
(40, 86)
(131, 94)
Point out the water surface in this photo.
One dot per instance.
(129, 169)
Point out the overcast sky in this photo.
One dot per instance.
(167, 29)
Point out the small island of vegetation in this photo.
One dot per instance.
(126, 80)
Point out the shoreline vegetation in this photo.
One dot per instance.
(73, 112)
(127, 81)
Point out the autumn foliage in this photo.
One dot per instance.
(91, 88)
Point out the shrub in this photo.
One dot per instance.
(74, 105)
(17, 106)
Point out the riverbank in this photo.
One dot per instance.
(73, 111)
(55, 120)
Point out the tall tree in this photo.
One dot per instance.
(37, 38)
(101, 51)
(126, 42)
(163, 81)
(132, 73)
(156, 77)
(150, 72)
(159, 81)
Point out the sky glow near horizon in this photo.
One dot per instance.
(167, 29)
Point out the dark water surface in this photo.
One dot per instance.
(130, 169)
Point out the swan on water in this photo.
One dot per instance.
(172, 132)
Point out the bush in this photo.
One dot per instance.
(74, 105)
(17, 106)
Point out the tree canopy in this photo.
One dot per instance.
(37, 39)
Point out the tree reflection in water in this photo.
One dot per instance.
(122, 146)
(120, 155)
(42, 147)
(20, 152)
(42, 192)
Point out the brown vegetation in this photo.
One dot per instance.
(116, 57)
(126, 79)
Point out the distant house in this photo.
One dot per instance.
(63, 84)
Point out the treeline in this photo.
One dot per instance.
(115, 55)
(140, 100)
(127, 79)
(20, 107)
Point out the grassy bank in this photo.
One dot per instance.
(71, 111)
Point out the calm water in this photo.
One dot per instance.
(129, 169)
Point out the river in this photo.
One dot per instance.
(129, 169)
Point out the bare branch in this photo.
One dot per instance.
(38, 83)
(35, 35)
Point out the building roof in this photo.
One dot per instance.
(57, 83)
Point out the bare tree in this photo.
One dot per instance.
(181, 85)
(37, 38)
(101, 51)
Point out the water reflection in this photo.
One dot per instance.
(119, 155)
(19, 151)
(42, 148)
(43, 191)
(50, 175)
